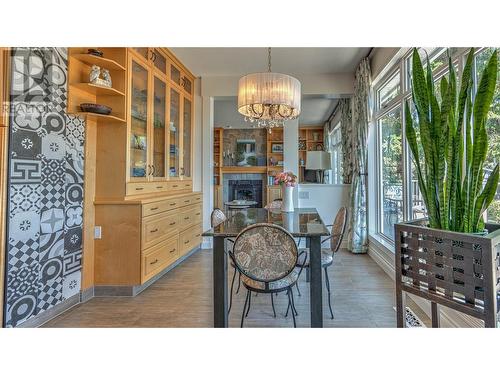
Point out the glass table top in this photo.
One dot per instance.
(303, 222)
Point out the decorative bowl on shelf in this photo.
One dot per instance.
(95, 108)
(95, 52)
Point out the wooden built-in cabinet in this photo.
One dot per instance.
(144, 200)
(4, 135)
(310, 139)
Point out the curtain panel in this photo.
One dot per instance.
(362, 105)
(347, 141)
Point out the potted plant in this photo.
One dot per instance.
(452, 254)
(288, 181)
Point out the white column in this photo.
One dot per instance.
(291, 152)
(207, 159)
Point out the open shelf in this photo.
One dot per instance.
(96, 89)
(100, 61)
(99, 116)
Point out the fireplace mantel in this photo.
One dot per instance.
(244, 169)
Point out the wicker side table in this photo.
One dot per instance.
(457, 270)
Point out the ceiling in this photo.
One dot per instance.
(315, 111)
(239, 61)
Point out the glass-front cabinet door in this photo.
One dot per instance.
(138, 162)
(187, 130)
(174, 130)
(159, 149)
(159, 60)
(142, 51)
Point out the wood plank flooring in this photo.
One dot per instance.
(363, 296)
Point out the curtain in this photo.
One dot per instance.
(346, 131)
(362, 104)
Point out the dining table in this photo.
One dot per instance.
(301, 223)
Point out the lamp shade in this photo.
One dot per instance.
(318, 160)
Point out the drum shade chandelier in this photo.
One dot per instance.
(269, 98)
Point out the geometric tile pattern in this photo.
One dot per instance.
(46, 165)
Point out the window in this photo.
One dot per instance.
(391, 170)
(493, 130)
(336, 154)
(397, 195)
(389, 91)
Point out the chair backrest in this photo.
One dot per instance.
(338, 229)
(274, 205)
(265, 252)
(217, 217)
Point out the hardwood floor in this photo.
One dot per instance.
(363, 296)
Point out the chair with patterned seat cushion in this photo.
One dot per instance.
(266, 256)
(335, 238)
(216, 218)
(274, 205)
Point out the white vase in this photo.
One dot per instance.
(287, 196)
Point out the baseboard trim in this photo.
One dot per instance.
(52, 313)
(449, 318)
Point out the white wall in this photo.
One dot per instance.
(327, 199)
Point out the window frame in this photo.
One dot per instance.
(400, 64)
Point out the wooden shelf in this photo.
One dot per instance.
(96, 89)
(100, 61)
(99, 116)
(237, 169)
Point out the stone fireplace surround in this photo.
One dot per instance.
(243, 181)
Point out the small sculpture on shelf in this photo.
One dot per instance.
(107, 77)
(95, 72)
(94, 76)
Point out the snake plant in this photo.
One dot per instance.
(453, 144)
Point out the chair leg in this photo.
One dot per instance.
(231, 294)
(239, 283)
(294, 310)
(298, 290)
(272, 303)
(244, 308)
(290, 302)
(327, 282)
(249, 302)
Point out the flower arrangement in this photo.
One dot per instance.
(285, 179)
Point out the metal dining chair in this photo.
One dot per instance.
(335, 238)
(266, 256)
(216, 218)
(274, 205)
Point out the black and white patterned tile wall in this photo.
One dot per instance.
(44, 253)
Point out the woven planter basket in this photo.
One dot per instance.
(457, 270)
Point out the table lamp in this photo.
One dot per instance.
(318, 161)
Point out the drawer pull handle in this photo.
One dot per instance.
(172, 223)
(153, 262)
(186, 242)
(139, 188)
(171, 251)
(186, 218)
(198, 214)
(154, 230)
(186, 201)
(173, 204)
(198, 235)
(174, 186)
(187, 185)
(159, 187)
(153, 208)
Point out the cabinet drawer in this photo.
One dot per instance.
(136, 188)
(189, 239)
(190, 217)
(158, 187)
(160, 206)
(158, 257)
(179, 185)
(158, 228)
